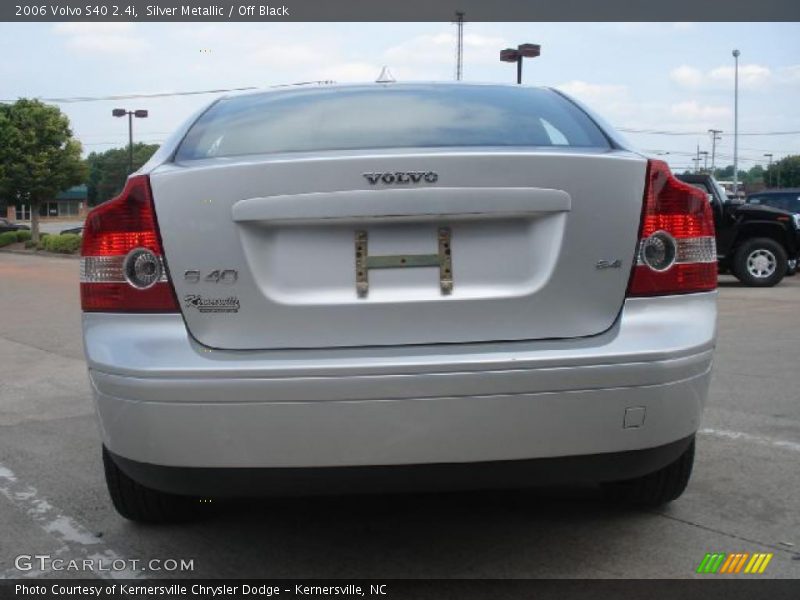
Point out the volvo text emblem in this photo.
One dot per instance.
(401, 177)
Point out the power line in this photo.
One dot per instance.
(149, 142)
(73, 99)
(703, 133)
(70, 100)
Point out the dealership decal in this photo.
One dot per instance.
(229, 304)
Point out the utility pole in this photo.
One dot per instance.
(769, 167)
(714, 138)
(459, 45)
(736, 54)
(705, 160)
(697, 159)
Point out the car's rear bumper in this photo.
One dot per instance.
(302, 481)
(165, 400)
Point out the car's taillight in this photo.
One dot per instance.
(677, 252)
(122, 264)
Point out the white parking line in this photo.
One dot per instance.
(76, 541)
(748, 437)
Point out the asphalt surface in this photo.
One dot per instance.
(55, 226)
(744, 495)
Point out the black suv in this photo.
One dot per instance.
(758, 242)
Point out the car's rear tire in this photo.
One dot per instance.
(791, 267)
(760, 262)
(142, 504)
(655, 489)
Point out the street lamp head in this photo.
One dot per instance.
(118, 112)
(736, 54)
(140, 114)
(509, 55)
(529, 50)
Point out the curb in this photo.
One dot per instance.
(40, 253)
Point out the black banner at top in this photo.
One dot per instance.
(398, 10)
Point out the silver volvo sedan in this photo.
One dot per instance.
(391, 287)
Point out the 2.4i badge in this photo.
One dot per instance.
(230, 304)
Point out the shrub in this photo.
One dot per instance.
(9, 237)
(40, 245)
(67, 243)
(23, 235)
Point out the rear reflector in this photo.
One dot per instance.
(122, 264)
(677, 250)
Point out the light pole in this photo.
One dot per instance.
(139, 114)
(736, 123)
(714, 138)
(516, 55)
(769, 166)
(460, 45)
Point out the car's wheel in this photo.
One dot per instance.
(655, 489)
(791, 267)
(142, 504)
(760, 262)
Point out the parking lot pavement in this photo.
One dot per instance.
(55, 226)
(743, 496)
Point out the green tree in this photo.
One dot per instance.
(39, 156)
(108, 170)
(726, 174)
(755, 174)
(784, 173)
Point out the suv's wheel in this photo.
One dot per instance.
(142, 504)
(760, 262)
(791, 267)
(655, 489)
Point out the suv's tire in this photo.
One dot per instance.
(655, 489)
(791, 267)
(760, 262)
(142, 504)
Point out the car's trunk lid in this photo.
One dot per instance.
(301, 251)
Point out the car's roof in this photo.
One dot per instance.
(374, 85)
(694, 176)
(776, 191)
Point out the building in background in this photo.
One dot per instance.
(70, 204)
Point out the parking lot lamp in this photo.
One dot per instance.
(139, 114)
(516, 55)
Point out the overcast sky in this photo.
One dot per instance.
(674, 77)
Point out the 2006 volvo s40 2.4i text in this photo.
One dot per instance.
(389, 287)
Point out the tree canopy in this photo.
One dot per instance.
(39, 157)
(108, 170)
(784, 173)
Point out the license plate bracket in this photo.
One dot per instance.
(442, 259)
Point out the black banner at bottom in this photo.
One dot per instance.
(422, 589)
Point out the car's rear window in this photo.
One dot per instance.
(387, 116)
(785, 201)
